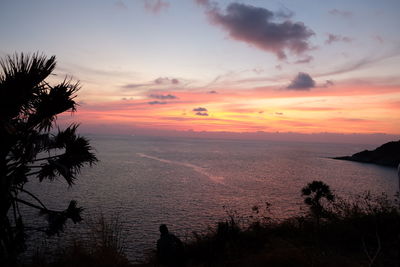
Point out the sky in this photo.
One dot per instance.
(163, 66)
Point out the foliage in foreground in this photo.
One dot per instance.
(363, 231)
(32, 147)
(335, 232)
(103, 246)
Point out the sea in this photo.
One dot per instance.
(191, 184)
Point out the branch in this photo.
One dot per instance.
(47, 84)
(47, 158)
(35, 160)
(33, 196)
(34, 166)
(33, 205)
(366, 250)
(14, 211)
(13, 164)
(33, 173)
(378, 249)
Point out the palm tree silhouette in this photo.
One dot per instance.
(313, 193)
(31, 148)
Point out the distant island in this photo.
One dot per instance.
(387, 155)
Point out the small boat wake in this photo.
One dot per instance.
(198, 169)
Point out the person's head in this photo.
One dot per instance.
(163, 229)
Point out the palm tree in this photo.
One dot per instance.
(313, 194)
(31, 147)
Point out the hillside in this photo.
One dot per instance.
(387, 155)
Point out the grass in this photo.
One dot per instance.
(103, 247)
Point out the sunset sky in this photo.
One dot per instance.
(234, 66)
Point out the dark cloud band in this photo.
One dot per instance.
(200, 109)
(302, 81)
(162, 97)
(259, 27)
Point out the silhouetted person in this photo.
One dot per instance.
(169, 248)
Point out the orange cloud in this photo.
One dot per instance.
(342, 108)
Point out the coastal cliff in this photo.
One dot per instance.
(387, 155)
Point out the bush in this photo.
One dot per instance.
(103, 247)
(348, 232)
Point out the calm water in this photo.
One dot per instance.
(186, 182)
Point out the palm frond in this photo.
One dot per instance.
(20, 82)
(58, 219)
(78, 152)
(51, 102)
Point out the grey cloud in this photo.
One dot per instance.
(378, 38)
(203, 2)
(341, 13)
(120, 4)
(360, 63)
(329, 83)
(155, 6)
(213, 92)
(302, 81)
(337, 38)
(133, 85)
(162, 97)
(166, 80)
(157, 103)
(158, 81)
(91, 72)
(307, 59)
(258, 70)
(200, 109)
(284, 13)
(257, 26)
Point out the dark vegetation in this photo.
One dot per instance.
(387, 155)
(32, 147)
(103, 246)
(334, 232)
(363, 231)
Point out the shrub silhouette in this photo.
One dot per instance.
(32, 149)
(362, 230)
(313, 194)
